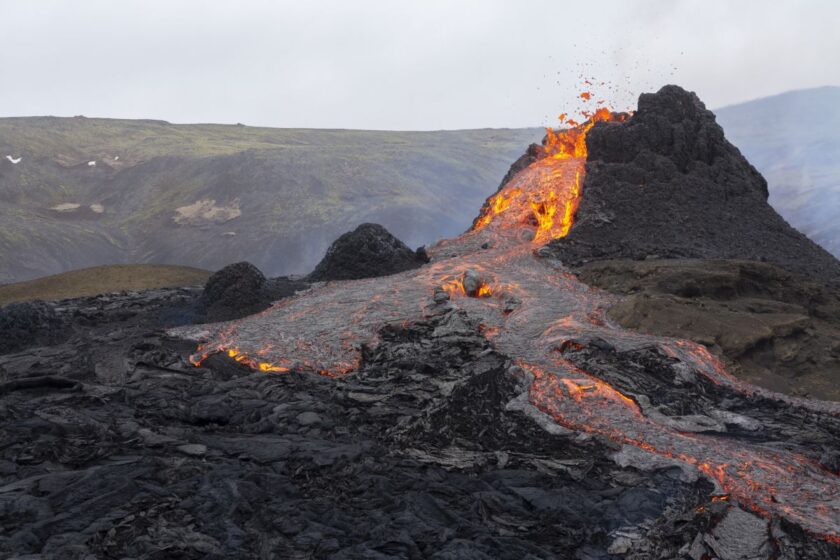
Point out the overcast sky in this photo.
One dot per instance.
(399, 64)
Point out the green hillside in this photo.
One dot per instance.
(207, 195)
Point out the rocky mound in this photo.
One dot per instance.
(240, 289)
(774, 328)
(237, 288)
(667, 183)
(29, 323)
(366, 252)
(115, 446)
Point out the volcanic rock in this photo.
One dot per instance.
(27, 324)
(414, 456)
(366, 252)
(472, 282)
(240, 289)
(666, 182)
(122, 444)
(236, 285)
(115, 445)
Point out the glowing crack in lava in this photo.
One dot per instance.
(528, 308)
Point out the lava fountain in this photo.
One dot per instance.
(529, 308)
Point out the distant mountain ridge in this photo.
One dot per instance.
(80, 192)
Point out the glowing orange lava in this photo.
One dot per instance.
(237, 355)
(552, 206)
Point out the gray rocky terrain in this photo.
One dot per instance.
(114, 446)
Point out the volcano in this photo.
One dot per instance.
(538, 315)
(478, 405)
(666, 183)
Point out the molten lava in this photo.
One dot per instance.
(551, 206)
(238, 356)
(484, 291)
(530, 309)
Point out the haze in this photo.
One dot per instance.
(412, 65)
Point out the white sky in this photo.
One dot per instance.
(399, 64)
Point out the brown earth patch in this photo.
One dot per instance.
(773, 328)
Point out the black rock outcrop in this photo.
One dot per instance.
(237, 288)
(667, 183)
(29, 323)
(366, 252)
(240, 289)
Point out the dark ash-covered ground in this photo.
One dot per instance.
(113, 446)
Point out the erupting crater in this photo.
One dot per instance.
(531, 308)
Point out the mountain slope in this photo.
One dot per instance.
(278, 197)
(794, 140)
(207, 195)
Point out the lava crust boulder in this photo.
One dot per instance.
(666, 183)
(234, 291)
(29, 323)
(240, 289)
(366, 252)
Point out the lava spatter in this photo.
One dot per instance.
(531, 308)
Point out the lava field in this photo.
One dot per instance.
(481, 405)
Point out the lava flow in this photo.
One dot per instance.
(529, 308)
(554, 191)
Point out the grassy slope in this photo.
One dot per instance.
(101, 280)
(297, 190)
